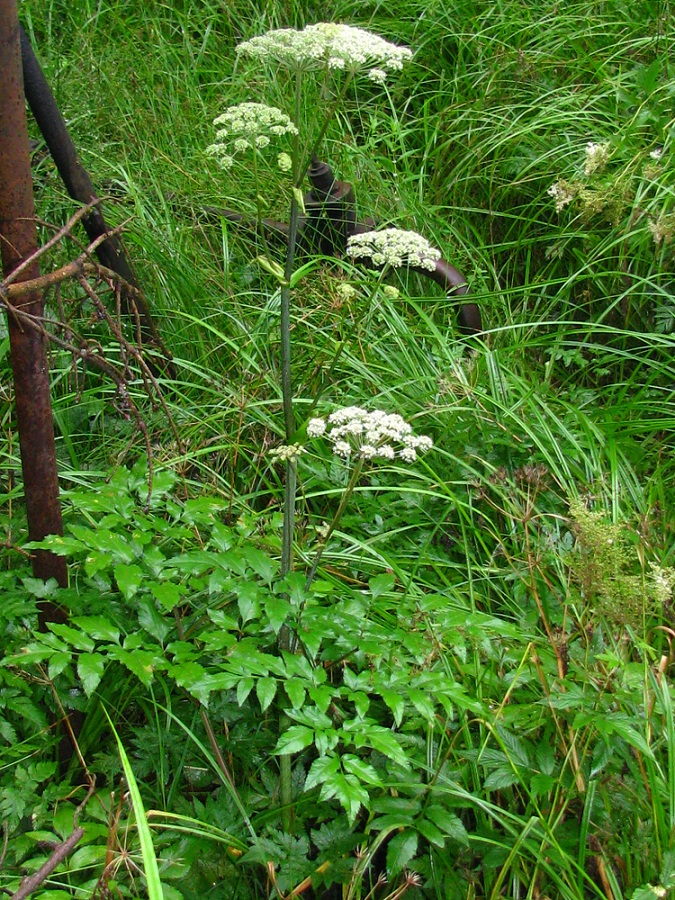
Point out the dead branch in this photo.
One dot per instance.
(30, 884)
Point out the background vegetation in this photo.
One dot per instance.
(483, 703)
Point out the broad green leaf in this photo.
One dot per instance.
(244, 688)
(428, 830)
(91, 855)
(448, 823)
(72, 636)
(277, 610)
(167, 594)
(381, 584)
(247, 601)
(90, 668)
(260, 563)
(295, 692)
(194, 678)
(57, 663)
(501, 778)
(383, 740)
(98, 627)
(322, 768)
(40, 588)
(423, 704)
(400, 851)
(97, 561)
(295, 739)
(129, 578)
(348, 791)
(363, 770)
(266, 689)
(396, 704)
(150, 619)
(140, 662)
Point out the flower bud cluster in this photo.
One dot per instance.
(393, 247)
(372, 436)
(286, 452)
(245, 126)
(328, 44)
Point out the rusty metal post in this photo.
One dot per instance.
(18, 241)
(79, 185)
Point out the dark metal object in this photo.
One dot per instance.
(79, 185)
(331, 220)
(18, 240)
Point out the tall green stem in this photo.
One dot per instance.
(285, 767)
(349, 490)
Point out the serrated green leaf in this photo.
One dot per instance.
(128, 578)
(396, 704)
(423, 704)
(97, 561)
(266, 689)
(381, 584)
(247, 602)
(429, 831)
(72, 636)
(90, 668)
(295, 692)
(260, 563)
(98, 627)
(400, 851)
(152, 621)
(244, 688)
(194, 678)
(277, 611)
(295, 739)
(167, 594)
(348, 791)
(57, 663)
(40, 588)
(362, 770)
(139, 662)
(501, 778)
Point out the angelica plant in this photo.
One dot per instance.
(337, 54)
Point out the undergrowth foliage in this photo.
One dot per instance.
(381, 616)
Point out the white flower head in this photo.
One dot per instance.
(372, 436)
(597, 157)
(563, 193)
(330, 45)
(393, 247)
(657, 153)
(247, 125)
(316, 427)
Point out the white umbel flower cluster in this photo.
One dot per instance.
(393, 247)
(245, 126)
(374, 436)
(597, 157)
(328, 44)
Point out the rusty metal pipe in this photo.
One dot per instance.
(332, 220)
(18, 241)
(80, 187)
